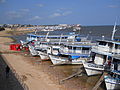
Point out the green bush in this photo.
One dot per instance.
(2, 28)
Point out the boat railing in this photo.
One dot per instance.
(74, 51)
(105, 49)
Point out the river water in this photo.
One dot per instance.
(59, 72)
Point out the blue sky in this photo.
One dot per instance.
(84, 12)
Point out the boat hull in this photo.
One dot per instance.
(111, 83)
(43, 55)
(92, 69)
(64, 60)
(33, 52)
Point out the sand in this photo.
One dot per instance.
(28, 74)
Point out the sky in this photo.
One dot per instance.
(49, 12)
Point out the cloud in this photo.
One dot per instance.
(67, 13)
(35, 18)
(14, 15)
(17, 14)
(63, 9)
(2, 1)
(113, 6)
(56, 14)
(40, 5)
(25, 10)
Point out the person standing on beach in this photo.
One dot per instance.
(7, 71)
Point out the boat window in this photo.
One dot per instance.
(69, 47)
(109, 58)
(55, 49)
(84, 48)
(74, 48)
(92, 55)
(119, 76)
(102, 43)
(78, 48)
(110, 45)
(116, 46)
(115, 62)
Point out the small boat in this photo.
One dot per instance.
(43, 50)
(34, 48)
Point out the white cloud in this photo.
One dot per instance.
(40, 5)
(60, 14)
(14, 14)
(113, 6)
(35, 18)
(17, 14)
(2, 1)
(67, 13)
(25, 10)
(55, 15)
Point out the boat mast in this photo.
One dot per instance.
(46, 36)
(60, 38)
(35, 31)
(113, 32)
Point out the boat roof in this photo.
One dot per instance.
(79, 45)
(117, 56)
(101, 53)
(108, 41)
(75, 54)
(41, 36)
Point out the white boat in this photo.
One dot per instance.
(112, 83)
(101, 55)
(43, 54)
(50, 38)
(32, 50)
(112, 80)
(66, 55)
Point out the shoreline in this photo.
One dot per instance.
(39, 75)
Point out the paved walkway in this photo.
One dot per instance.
(10, 83)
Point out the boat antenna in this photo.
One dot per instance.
(60, 38)
(113, 32)
(103, 37)
(46, 36)
(35, 31)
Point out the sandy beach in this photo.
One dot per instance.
(33, 78)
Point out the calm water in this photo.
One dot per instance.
(94, 32)
(87, 83)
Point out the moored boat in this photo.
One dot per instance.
(67, 55)
(112, 80)
(101, 56)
